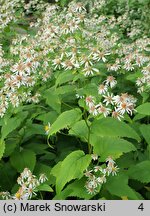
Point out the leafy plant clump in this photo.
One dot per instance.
(74, 100)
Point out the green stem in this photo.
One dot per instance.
(49, 143)
(42, 107)
(67, 105)
(89, 133)
(41, 195)
(128, 7)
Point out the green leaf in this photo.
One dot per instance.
(66, 89)
(144, 109)
(32, 129)
(138, 117)
(64, 2)
(113, 128)
(133, 77)
(64, 77)
(48, 156)
(75, 189)
(10, 145)
(140, 172)
(37, 148)
(90, 89)
(118, 185)
(80, 130)
(78, 189)
(53, 100)
(65, 119)
(126, 160)
(48, 117)
(44, 187)
(145, 96)
(43, 168)
(145, 130)
(110, 146)
(56, 169)
(12, 123)
(2, 148)
(62, 195)
(72, 167)
(8, 174)
(78, 76)
(23, 159)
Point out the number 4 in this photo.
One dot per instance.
(141, 207)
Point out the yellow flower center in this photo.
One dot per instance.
(46, 128)
(18, 195)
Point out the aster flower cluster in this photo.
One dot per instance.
(7, 11)
(97, 175)
(143, 82)
(13, 10)
(28, 186)
(34, 5)
(70, 39)
(134, 57)
(114, 105)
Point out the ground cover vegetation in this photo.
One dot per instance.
(74, 99)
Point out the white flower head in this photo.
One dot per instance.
(94, 157)
(102, 89)
(111, 81)
(47, 128)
